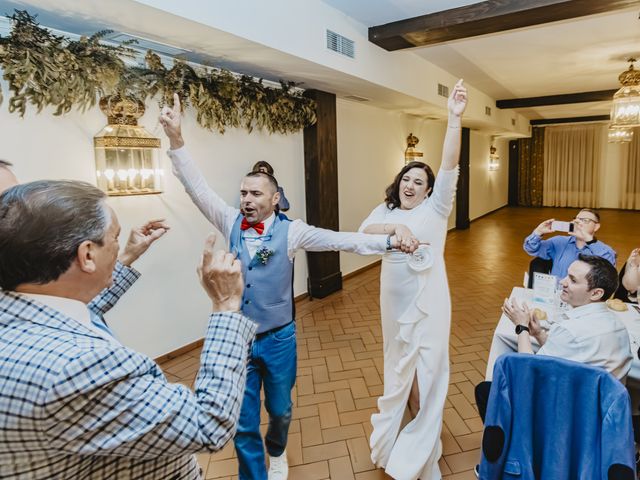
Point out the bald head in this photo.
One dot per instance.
(7, 178)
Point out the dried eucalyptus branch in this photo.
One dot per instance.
(47, 70)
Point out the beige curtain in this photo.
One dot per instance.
(572, 156)
(630, 178)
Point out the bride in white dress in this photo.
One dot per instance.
(416, 311)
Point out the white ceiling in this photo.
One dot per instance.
(580, 55)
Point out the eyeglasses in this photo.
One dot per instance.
(584, 220)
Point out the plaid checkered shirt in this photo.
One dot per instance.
(76, 406)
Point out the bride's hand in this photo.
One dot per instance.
(458, 99)
(407, 241)
(407, 245)
(402, 233)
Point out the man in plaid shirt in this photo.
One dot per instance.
(75, 403)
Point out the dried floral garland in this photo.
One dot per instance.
(47, 70)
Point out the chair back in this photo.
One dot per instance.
(539, 265)
(549, 418)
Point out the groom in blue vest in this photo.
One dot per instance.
(265, 241)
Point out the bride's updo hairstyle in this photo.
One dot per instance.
(393, 191)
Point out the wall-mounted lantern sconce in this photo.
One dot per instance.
(411, 154)
(127, 161)
(494, 158)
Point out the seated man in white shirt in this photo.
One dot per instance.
(589, 333)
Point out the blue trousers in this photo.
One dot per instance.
(272, 364)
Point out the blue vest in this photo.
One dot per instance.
(268, 292)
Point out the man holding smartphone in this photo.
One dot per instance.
(563, 250)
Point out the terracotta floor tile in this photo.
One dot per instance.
(310, 471)
(341, 468)
(328, 413)
(325, 451)
(459, 462)
(470, 441)
(343, 433)
(294, 449)
(360, 454)
(311, 433)
(344, 400)
(455, 423)
(222, 468)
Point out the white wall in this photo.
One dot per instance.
(488, 190)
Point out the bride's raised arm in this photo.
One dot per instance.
(445, 185)
(451, 148)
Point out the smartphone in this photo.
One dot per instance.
(562, 226)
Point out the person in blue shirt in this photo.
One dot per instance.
(563, 250)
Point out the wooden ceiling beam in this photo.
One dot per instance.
(486, 17)
(552, 121)
(560, 99)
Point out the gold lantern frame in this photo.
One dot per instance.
(412, 154)
(127, 159)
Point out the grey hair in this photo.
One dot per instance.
(42, 224)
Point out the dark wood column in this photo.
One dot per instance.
(321, 182)
(514, 154)
(462, 195)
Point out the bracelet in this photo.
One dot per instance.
(388, 242)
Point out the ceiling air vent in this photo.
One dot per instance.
(356, 98)
(143, 44)
(443, 90)
(340, 44)
(487, 111)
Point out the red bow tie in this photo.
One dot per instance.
(258, 227)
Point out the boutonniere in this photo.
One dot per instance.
(263, 254)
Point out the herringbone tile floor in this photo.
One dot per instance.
(340, 351)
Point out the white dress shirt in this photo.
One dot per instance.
(593, 335)
(73, 309)
(301, 236)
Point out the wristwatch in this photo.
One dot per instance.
(521, 328)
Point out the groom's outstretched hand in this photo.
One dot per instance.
(171, 120)
(221, 277)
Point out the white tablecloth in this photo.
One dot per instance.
(505, 339)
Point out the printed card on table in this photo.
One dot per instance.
(544, 288)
